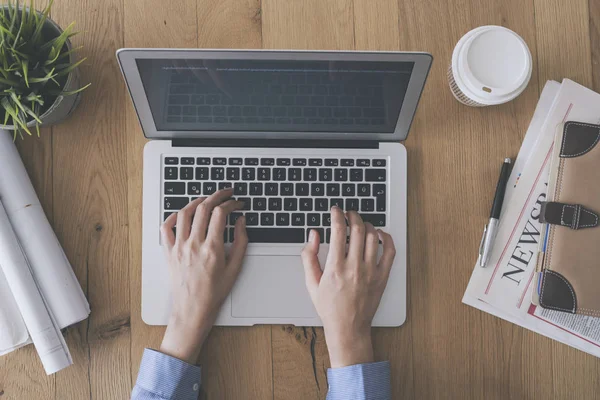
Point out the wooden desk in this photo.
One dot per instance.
(88, 173)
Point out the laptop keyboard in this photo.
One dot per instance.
(284, 198)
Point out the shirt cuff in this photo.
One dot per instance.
(168, 377)
(360, 382)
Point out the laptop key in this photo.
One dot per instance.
(290, 204)
(233, 173)
(233, 217)
(224, 185)
(256, 189)
(348, 189)
(379, 163)
(175, 203)
(351, 204)
(315, 162)
(306, 204)
(347, 162)
(299, 162)
(267, 161)
(380, 196)
(251, 219)
(356, 175)
(331, 162)
(282, 219)
(271, 189)
(363, 163)
(375, 175)
(321, 234)
(240, 188)
(321, 204)
(187, 160)
(203, 161)
(287, 189)
(364, 189)
(264, 174)
(209, 188)
(283, 162)
(167, 215)
(259, 204)
(194, 188)
(247, 203)
(274, 204)
(171, 160)
(279, 174)
(235, 161)
(339, 203)
(310, 174)
(174, 188)
(333, 189)
(325, 174)
(367, 205)
(217, 173)
(317, 189)
(267, 219)
(251, 161)
(341, 174)
(187, 173)
(295, 174)
(327, 219)
(274, 235)
(248, 174)
(301, 189)
(219, 161)
(202, 173)
(313, 219)
(171, 173)
(377, 220)
(297, 219)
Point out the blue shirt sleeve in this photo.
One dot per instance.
(163, 377)
(360, 382)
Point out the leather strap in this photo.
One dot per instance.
(573, 216)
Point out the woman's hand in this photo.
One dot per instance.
(201, 274)
(347, 292)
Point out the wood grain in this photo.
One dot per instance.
(87, 172)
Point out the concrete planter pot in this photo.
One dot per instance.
(62, 106)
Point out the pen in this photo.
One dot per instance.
(489, 232)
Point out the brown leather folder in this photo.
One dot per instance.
(570, 279)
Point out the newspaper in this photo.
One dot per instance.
(505, 287)
(58, 286)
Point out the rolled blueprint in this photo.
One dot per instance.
(40, 323)
(50, 266)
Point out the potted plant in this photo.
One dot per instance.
(39, 78)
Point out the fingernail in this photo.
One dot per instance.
(243, 219)
(311, 235)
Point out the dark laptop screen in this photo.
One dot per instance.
(268, 95)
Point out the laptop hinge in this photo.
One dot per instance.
(284, 143)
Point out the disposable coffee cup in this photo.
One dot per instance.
(490, 65)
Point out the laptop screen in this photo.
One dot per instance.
(275, 95)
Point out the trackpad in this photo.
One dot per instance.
(271, 287)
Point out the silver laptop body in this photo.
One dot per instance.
(294, 132)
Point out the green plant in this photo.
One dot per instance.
(33, 67)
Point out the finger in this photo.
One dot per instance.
(204, 210)
(371, 245)
(389, 253)
(240, 243)
(166, 232)
(184, 219)
(357, 237)
(337, 244)
(218, 219)
(310, 261)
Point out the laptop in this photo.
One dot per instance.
(294, 132)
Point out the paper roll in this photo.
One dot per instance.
(42, 327)
(53, 272)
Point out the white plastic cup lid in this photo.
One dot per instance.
(491, 64)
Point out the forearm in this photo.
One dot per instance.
(360, 382)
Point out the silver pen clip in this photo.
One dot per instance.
(482, 241)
